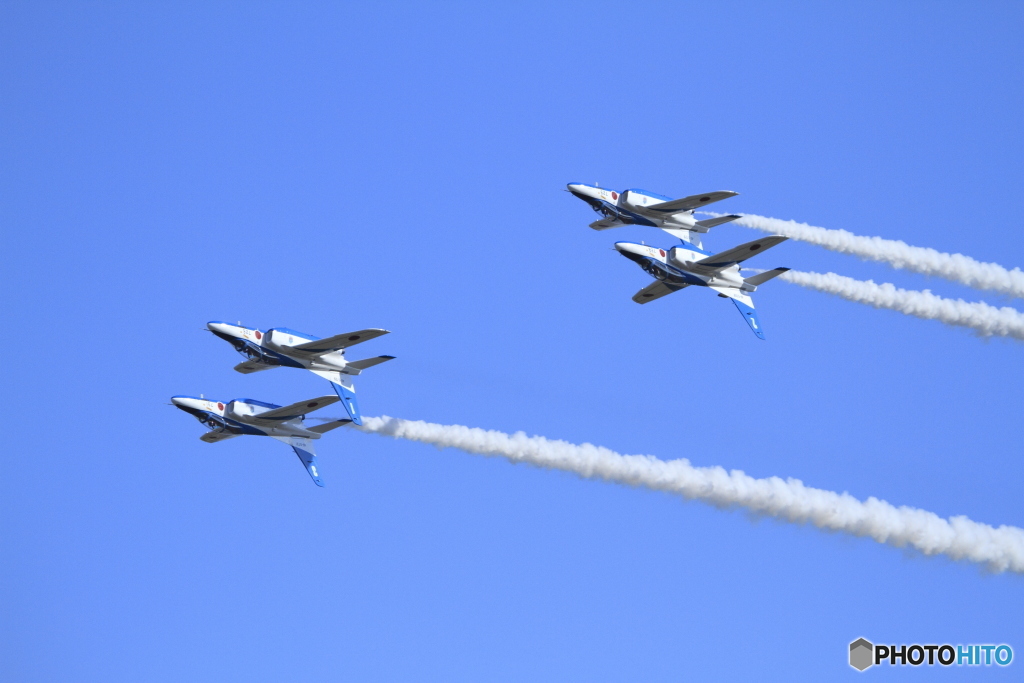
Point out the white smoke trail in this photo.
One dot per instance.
(898, 254)
(999, 549)
(985, 320)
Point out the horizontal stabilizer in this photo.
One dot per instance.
(369, 362)
(654, 291)
(214, 437)
(742, 252)
(764, 277)
(296, 409)
(715, 222)
(338, 341)
(328, 426)
(691, 202)
(249, 367)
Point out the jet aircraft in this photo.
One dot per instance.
(246, 416)
(685, 264)
(640, 207)
(280, 346)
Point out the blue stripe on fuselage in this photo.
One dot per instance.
(635, 218)
(301, 335)
(280, 358)
(652, 195)
(246, 429)
(677, 276)
(254, 402)
(667, 273)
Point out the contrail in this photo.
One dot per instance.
(898, 254)
(985, 320)
(999, 549)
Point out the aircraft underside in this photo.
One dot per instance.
(676, 279)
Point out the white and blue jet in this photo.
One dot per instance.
(281, 347)
(246, 416)
(686, 264)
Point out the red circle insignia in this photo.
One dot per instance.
(259, 335)
(661, 251)
(220, 406)
(615, 195)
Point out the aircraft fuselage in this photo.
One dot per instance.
(629, 207)
(670, 266)
(236, 417)
(274, 347)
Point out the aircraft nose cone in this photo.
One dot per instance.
(580, 190)
(215, 326)
(634, 252)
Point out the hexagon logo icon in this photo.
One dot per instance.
(862, 654)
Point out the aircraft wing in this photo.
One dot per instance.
(655, 291)
(741, 253)
(214, 437)
(339, 341)
(691, 202)
(249, 367)
(606, 223)
(295, 410)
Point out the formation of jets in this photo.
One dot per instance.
(674, 268)
(281, 347)
(687, 263)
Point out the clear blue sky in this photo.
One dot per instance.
(331, 167)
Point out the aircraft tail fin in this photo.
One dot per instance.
(750, 315)
(744, 304)
(303, 448)
(346, 391)
(687, 236)
(764, 277)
